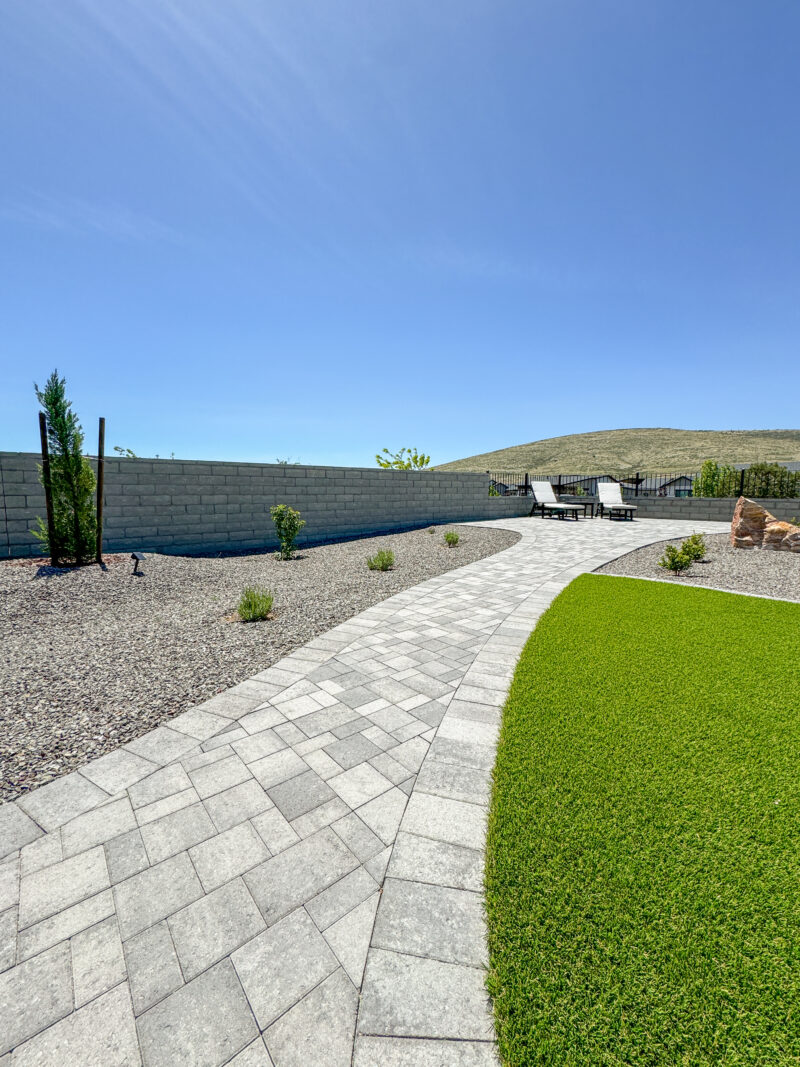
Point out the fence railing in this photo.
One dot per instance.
(753, 482)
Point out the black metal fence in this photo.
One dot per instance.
(758, 481)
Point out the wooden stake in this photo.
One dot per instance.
(48, 491)
(101, 445)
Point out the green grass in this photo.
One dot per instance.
(628, 451)
(643, 869)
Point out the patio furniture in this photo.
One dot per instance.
(546, 501)
(611, 501)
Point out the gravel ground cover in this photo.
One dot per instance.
(739, 570)
(93, 658)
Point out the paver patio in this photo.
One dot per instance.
(290, 873)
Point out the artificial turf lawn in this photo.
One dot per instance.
(643, 868)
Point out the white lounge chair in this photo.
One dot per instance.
(611, 501)
(545, 500)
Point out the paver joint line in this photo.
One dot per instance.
(214, 891)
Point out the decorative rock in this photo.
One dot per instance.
(754, 527)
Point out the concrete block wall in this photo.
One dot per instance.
(712, 509)
(191, 506)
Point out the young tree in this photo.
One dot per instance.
(407, 459)
(72, 479)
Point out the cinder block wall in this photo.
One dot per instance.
(189, 506)
(712, 509)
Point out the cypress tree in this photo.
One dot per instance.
(71, 477)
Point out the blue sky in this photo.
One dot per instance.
(260, 229)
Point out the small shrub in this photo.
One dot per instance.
(381, 561)
(675, 560)
(288, 525)
(255, 603)
(694, 547)
(451, 538)
(494, 491)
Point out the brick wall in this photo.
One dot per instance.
(192, 506)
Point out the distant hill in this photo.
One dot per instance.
(646, 450)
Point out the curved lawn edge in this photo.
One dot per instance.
(641, 854)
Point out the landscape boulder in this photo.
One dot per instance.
(754, 527)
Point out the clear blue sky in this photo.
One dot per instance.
(253, 229)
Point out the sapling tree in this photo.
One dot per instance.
(407, 459)
(72, 479)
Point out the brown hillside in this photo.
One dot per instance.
(645, 450)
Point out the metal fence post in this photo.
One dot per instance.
(101, 451)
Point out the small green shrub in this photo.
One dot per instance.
(288, 525)
(255, 603)
(451, 538)
(695, 547)
(494, 491)
(383, 560)
(675, 560)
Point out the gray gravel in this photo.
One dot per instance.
(740, 570)
(92, 659)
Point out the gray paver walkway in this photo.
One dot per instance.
(290, 873)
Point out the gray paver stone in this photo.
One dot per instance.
(126, 856)
(281, 965)
(57, 802)
(405, 996)
(228, 855)
(16, 829)
(432, 921)
(411, 1052)
(214, 926)
(332, 903)
(299, 873)
(350, 937)
(176, 832)
(152, 966)
(48, 932)
(237, 804)
(301, 794)
(101, 1032)
(154, 894)
(55, 888)
(97, 961)
(319, 1029)
(95, 827)
(421, 859)
(34, 995)
(117, 770)
(203, 1024)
